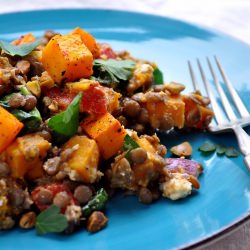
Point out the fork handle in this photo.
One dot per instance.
(244, 143)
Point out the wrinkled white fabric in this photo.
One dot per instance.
(229, 16)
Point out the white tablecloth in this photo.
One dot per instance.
(229, 16)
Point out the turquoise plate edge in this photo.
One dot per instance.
(165, 225)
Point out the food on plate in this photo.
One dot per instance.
(78, 121)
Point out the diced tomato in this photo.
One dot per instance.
(54, 189)
(107, 51)
(93, 99)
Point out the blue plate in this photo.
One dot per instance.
(224, 197)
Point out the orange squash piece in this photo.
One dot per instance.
(67, 59)
(26, 155)
(107, 132)
(28, 38)
(10, 126)
(206, 114)
(88, 40)
(174, 107)
(85, 159)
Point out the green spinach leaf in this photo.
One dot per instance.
(31, 119)
(96, 203)
(158, 76)
(65, 124)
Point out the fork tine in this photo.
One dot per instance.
(194, 81)
(238, 103)
(229, 111)
(215, 106)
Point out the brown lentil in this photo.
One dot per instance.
(96, 221)
(16, 197)
(30, 102)
(122, 119)
(17, 100)
(131, 108)
(83, 194)
(45, 134)
(61, 199)
(138, 155)
(45, 196)
(27, 220)
(143, 116)
(61, 175)
(145, 195)
(4, 169)
(139, 128)
(166, 123)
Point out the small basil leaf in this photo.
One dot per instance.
(158, 76)
(21, 50)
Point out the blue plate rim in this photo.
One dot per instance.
(224, 231)
(128, 12)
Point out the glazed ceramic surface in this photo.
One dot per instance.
(224, 196)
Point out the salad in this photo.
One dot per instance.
(79, 121)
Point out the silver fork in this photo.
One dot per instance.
(231, 122)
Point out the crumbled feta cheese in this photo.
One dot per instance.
(177, 187)
(73, 213)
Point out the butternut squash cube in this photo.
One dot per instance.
(26, 154)
(85, 159)
(88, 40)
(10, 126)
(173, 107)
(107, 132)
(66, 58)
(28, 38)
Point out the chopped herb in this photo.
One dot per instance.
(207, 147)
(231, 152)
(51, 221)
(21, 50)
(220, 149)
(65, 124)
(96, 203)
(158, 76)
(112, 71)
(128, 145)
